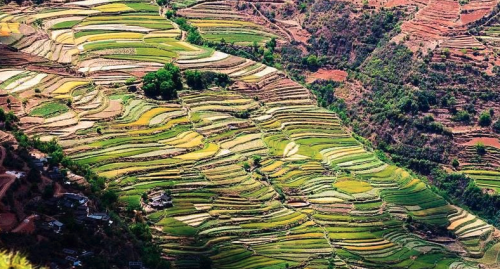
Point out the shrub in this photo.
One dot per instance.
(446, 52)
(312, 62)
(194, 36)
(485, 119)
(496, 126)
(480, 148)
(462, 116)
(203, 79)
(256, 160)
(268, 58)
(130, 81)
(170, 13)
(246, 166)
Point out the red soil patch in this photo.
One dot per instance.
(7, 221)
(439, 18)
(473, 16)
(397, 3)
(335, 75)
(487, 141)
(476, 9)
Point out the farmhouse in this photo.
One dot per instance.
(56, 226)
(98, 219)
(72, 200)
(17, 174)
(160, 201)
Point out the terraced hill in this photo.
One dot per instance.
(287, 186)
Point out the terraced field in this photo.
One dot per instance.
(221, 20)
(315, 197)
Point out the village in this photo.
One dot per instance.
(55, 208)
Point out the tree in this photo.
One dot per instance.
(194, 36)
(462, 116)
(480, 148)
(271, 44)
(109, 197)
(312, 61)
(34, 175)
(142, 231)
(194, 79)
(455, 163)
(164, 82)
(169, 14)
(268, 58)
(485, 119)
(302, 7)
(496, 126)
(246, 166)
(256, 160)
(48, 192)
(203, 79)
(162, 3)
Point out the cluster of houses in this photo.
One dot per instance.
(71, 257)
(53, 173)
(78, 205)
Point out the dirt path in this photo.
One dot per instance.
(6, 181)
(289, 36)
(4, 152)
(27, 226)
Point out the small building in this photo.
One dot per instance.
(69, 251)
(81, 210)
(87, 253)
(135, 265)
(99, 219)
(56, 226)
(73, 261)
(39, 163)
(73, 200)
(17, 174)
(160, 201)
(55, 174)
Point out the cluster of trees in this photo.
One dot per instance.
(346, 43)
(193, 35)
(165, 82)
(8, 119)
(168, 80)
(199, 80)
(463, 189)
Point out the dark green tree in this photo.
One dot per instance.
(164, 82)
(496, 126)
(194, 79)
(268, 57)
(194, 36)
(480, 148)
(271, 44)
(485, 119)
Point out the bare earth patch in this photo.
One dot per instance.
(324, 74)
(487, 141)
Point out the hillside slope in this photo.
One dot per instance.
(259, 176)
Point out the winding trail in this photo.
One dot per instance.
(288, 35)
